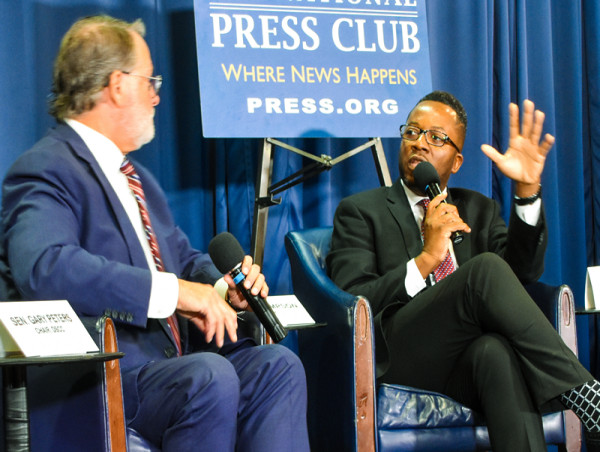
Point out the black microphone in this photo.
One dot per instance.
(227, 255)
(428, 180)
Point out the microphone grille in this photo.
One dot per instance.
(225, 251)
(425, 174)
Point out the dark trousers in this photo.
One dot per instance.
(252, 399)
(478, 337)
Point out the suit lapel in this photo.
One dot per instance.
(400, 209)
(79, 148)
(462, 251)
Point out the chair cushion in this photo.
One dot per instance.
(403, 407)
(404, 413)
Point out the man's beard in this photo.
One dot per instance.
(141, 128)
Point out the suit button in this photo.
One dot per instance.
(129, 317)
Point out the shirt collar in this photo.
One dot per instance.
(105, 151)
(413, 198)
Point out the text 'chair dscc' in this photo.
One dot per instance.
(346, 411)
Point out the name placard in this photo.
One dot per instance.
(290, 311)
(592, 287)
(42, 328)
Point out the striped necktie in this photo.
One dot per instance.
(447, 265)
(135, 186)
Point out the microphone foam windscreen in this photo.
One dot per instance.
(425, 174)
(225, 251)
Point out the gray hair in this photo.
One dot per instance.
(89, 52)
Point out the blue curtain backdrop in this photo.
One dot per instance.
(486, 52)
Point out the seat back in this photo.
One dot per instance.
(341, 401)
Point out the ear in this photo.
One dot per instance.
(116, 88)
(458, 161)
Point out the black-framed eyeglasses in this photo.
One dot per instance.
(155, 81)
(433, 137)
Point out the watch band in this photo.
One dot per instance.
(529, 199)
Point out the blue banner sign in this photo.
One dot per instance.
(310, 68)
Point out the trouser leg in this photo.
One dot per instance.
(272, 407)
(426, 337)
(487, 377)
(188, 403)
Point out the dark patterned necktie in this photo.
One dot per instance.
(447, 265)
(136, 187)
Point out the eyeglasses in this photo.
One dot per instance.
(433, 137)
(155, 81)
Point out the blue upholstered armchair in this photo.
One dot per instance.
(348, 412)
(79, 406)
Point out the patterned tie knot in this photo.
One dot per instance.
(132, 176)
(126, 167)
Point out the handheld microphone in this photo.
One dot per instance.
(428, 180)
(227, 255)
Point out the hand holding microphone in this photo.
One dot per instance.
(227, 255)
(428, 180)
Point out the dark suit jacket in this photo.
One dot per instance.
(66, 236)
(375, 235)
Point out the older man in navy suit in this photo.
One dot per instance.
(82, 222)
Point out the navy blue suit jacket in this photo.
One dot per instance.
(67, 236)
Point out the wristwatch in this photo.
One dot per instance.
(530, 199)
